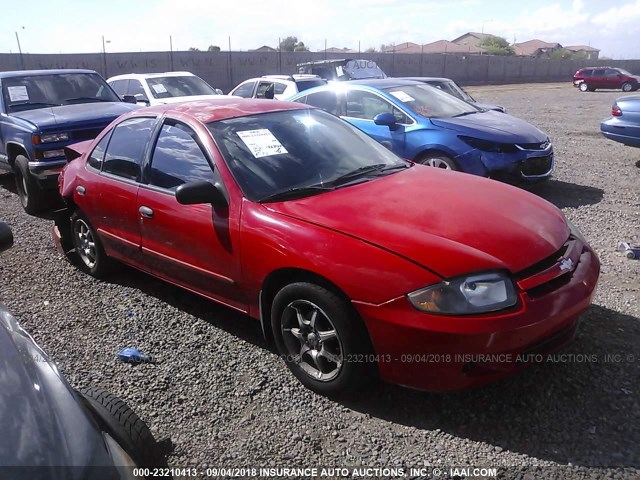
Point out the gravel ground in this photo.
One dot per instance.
(225, 400)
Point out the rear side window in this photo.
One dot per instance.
(97, 156)
(178, 158)
(126, 149)
(245, 90)
(598, 73)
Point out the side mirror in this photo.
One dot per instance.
(6, 237)
(387, 119)
(129, 99)
(218, 91)
(193, 193)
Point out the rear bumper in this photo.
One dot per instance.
(442, 353)
(46, 172)
(619, 133)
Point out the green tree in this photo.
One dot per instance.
(563, 53)
(213, 48)
(291, 44)
(384, 46)
(194, 49)
(494, 45)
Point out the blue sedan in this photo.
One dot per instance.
(624, 124)
(426, 125)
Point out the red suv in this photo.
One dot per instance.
(588, 79)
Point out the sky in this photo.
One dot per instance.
(78, 26)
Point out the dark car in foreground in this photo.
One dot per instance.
(452, 88)
(41, 112)
(355, 261)
(51, 431)
(624, 124)
(591, 78)
(426, 125)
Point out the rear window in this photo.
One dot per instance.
(306, 84)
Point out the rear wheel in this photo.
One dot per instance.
(583, 87)
(32, 197)
(627, 87)
(321, 339)
(438, 160)
(91, 256)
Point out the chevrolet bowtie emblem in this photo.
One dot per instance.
(566, 264)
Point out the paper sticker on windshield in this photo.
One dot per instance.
(18, 93)
(159, 88)
(262, 143)
(403, 97)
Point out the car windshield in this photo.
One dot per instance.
(361, 69)
(306, 84)
(179, 86)
(430, 101)
(52, 90)
(298, 150)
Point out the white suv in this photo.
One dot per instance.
(161, 88)
(279, 87)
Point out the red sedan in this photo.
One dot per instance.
(357, 264)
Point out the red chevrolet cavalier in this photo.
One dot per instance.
(356, 262)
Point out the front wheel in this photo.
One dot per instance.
(323, 342)
(438, 160)
(122, 423)
(32, 197)
(583, 87)
(627, 87)
(92, 258)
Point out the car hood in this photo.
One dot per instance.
(449, 222)
(191, 98)
(78, 114)
(499, 127)
(490, 106)
(41, 421)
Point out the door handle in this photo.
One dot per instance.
(146, 212)
(81, 190)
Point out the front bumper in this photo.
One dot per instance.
(442, 353)
(46, 171)
(524, 166)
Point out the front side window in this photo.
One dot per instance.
(279, 88)
(137, 90)
(367, 105)
(125, 152)
(119, 86)
(327, 101)
(40, 91)
(245, 90)
(178, 158)
(275, 152)
(263, 87)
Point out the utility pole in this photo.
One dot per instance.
(20, 50)
(171, 52)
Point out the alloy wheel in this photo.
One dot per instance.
(438, 163)
(85, 243)
(311, 340)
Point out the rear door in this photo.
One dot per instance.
(598, 79)
(107, 192)
(190, 245)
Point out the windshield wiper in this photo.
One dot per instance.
(359, 172)
(89, 99)
(466, 113)
(397, 166)
(297, 192)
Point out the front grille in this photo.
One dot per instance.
(534, 146)
(535, 166)
(85, 134)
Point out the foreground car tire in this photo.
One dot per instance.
(32, 197)
(91, 257)
(321, 340)
(122, 423)
(438, 160)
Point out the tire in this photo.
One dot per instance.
(583, 87)
(337, 365)
(91, 257)
(438, 160)
(627, 87)
(122, 423)
(32, 197)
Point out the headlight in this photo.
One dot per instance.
(479, 293)
(488, 146)
(54, 137)
(575, 232)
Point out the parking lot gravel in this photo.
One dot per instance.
(222, 398)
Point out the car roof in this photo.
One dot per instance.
(383, 83)
(29, 73)
(428, 79)
(223, 108)
(126, 76)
